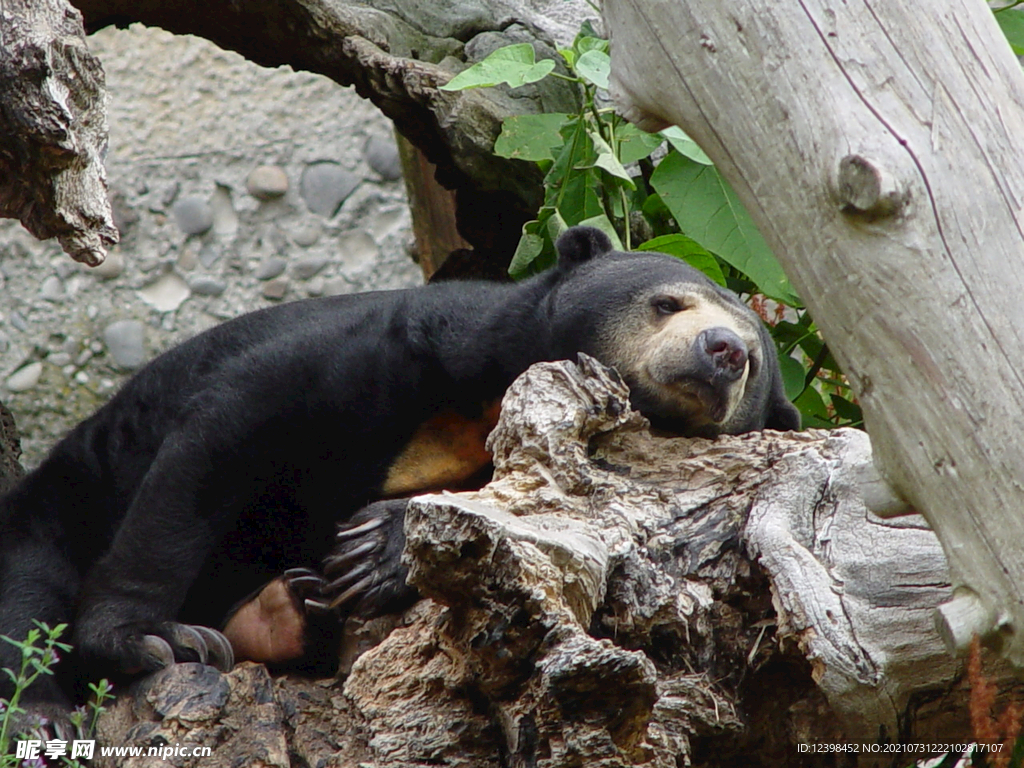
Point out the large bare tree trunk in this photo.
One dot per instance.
(877, 147)
(53, 129)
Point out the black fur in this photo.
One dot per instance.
(232, 457)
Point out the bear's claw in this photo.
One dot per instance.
(364, 572)
(186, 642)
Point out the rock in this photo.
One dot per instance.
(111, 267)
(357, 249)
(225, 219)
(207, 286)
(166, 293)
(325, 185)
(193, 215)
(52, 289)
(25, 378)
(267, 182)
(125, 340)
(336, 286)
(381, 154)
(270, 268)
(308, 266)
(209, 254)
(275, 289)
(307, 235)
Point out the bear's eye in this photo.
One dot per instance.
(666, 305)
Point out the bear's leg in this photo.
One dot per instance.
(37, 582)
(131, 596)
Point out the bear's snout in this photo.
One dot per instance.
(726, 352)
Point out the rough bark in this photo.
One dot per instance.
(397, 54)
(53, 129)
(615, 598)
(878, 151)
(10, 451)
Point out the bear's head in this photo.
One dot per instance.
(696, 359)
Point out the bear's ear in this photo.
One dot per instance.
(579, 244)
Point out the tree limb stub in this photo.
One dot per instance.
(53, 129)
(899, 227)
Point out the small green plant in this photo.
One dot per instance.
(652, 192)
(40, 651)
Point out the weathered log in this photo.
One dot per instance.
(53, 129)
(615, 598)
(878, 152)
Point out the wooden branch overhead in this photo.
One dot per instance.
(878, 149)
(396, 56)
(53, 129)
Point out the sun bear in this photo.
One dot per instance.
(231, 458)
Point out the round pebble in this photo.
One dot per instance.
(52, 289)
(267, 182)
(308, 266)
(111, 267)
(25, 378)
(207, 286)
(125, 340)
(166, 293)
(270, 268)
(381, 154)
(324, 187)
(275, 289)
(193, 215)
(307, 236)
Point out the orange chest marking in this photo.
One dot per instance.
(446, 449)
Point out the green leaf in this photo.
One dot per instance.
(684, 145)
(530, 137)
(690, 251)
(793, 375)
(514, 65)
(603, 223)
(584, 43)
(1011, 21)
(529, 248)
(607, 161)
(847, 410)
(810, 404)
(635, 144)
(594, 66)
(707, 209)
(556, 225)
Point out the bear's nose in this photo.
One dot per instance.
(727, 351)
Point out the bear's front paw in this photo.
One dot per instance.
(364, 572)
(149, 646)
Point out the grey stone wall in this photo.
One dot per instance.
(234, 187)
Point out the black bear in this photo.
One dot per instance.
(230, 459)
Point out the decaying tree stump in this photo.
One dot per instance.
(53, 129)
(614, 598)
